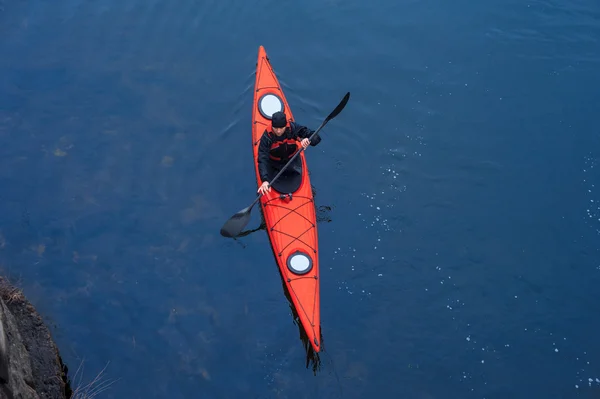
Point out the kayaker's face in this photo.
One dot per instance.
(279, 130)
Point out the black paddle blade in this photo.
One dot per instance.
(339, 108)
(234, 226)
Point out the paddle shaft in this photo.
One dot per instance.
(297, 153)
(236, 223)
(332, 115)
(290, 161)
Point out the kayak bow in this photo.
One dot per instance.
(288, 210)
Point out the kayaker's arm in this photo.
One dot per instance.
(263, 157)
(303, 132)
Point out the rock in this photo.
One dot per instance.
(18, 377)
(4, 370)
(30, 364)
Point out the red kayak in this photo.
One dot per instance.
(289, 214)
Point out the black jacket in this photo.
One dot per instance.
(279, 155)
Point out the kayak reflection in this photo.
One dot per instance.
(312, 358)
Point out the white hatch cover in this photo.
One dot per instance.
(299, 263)
(269, 104)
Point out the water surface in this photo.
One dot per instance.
(459, 241)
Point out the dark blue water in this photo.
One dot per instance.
(462, 255)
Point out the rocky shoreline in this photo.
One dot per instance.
(30, 363)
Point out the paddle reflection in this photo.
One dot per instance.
(323, 215)
(246, 232)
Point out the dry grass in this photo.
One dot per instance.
(9, 292)
(88, 391)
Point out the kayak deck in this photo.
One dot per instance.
(290, 217)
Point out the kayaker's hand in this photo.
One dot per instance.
(305, 143)
(264, 188)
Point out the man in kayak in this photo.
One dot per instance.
(278, 146)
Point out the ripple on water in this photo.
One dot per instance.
(489, 353)
(379, 221)
(590, 178)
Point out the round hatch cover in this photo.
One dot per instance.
(299, 263)
(269, 104)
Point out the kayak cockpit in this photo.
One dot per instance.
(289, 181)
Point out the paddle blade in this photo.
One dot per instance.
(339, 108)
(234, 226)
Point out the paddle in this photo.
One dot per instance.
(237, 222)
